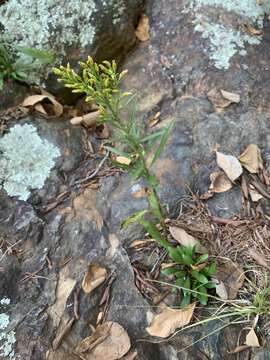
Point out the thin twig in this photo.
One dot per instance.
(91, 176)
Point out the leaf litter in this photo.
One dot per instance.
(165, 323)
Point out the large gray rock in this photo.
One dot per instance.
(70, 30)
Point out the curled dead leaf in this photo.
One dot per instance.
(251, 159)
(123, 160)
(219, 182)
(259, 258)
(184, 238)
(110, 341)
(95, 276)
(36, 100)
(232, 97)
(255, 196)
(252, 30)
(165, 323)
(218, 100)
(143, 29)
(88, 120)
(232, 276)
(230, 165)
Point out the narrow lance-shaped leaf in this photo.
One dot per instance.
(155, 233)
(133, 218)
(162, 143)
(155, 206)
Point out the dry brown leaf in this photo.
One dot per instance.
(255, 196)
(110, 341)
(252, 30)
(88, 120)
(251, 159)
(219, 182)
(232, 97)
(165, 323)
(259, 258)
(143, 29)
(230, 165)
(123, 160)
(34, 100)
(252, 339)
(95, 276)
(218, 100)
(184, 238)
(239, 349)
(221, 290)
(144, 242)
(154, 120)
(232, 276)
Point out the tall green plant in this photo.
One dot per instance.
(101, 84)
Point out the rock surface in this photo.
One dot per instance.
(173, 75)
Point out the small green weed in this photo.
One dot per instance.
(15, 69)
(101, 83)
(193, 275)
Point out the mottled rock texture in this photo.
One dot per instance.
(172, 73)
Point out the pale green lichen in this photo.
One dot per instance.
(26, 160)
(5, 301)
(7, 338)
(43, 23)
(225, 40)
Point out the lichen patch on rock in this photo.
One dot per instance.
(225, 34)
(26, 160)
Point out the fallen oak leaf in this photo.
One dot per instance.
(33, 100)
(185, 239)
(165, 323)
(230, 165)
(232, 276)
(110, 341)
(259, 258)
(94, 277)
(219, 182)
(143, 28)
(251, 159)
(232, 97)
(252, 339)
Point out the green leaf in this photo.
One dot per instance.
(162, 143)
(155, 136)
(202, 296)
(175, 255)
(201, 259)
(210, 285)
(1, 81)
(155, 206)
(186, 258)
(46, 57)
(153, 181)
(117, 151)
(133, 218)
(198, 276)
(170, 271)
(137, 170)
(155, 233)
(210, 270)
